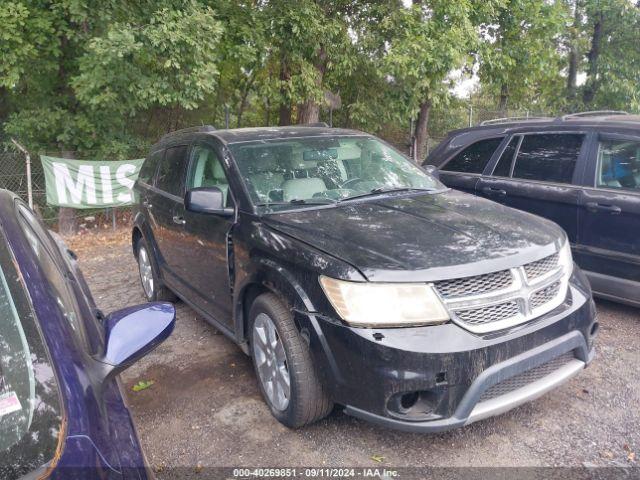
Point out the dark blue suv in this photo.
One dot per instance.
(582, 171)
(62, 414)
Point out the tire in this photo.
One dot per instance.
(154, 290)
(307, 400)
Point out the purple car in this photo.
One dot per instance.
(62, 412)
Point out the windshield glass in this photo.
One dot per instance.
(30, 413)
(314, 170)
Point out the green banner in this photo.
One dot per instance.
(89, 183)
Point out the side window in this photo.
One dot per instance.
(149, 167)
(548, 157)
(473, 158)
(173, 169)
(619, 164)
(44, 249)
(503, 167)
(207, 171)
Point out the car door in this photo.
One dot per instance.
(536, 172)
(463, 169)
(206, 238)
(167, 201)
(146, 193)
(609, 216)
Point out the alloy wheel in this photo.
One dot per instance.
(271, 362)
(146, 274)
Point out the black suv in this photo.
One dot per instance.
(353, 277)
(582, 171)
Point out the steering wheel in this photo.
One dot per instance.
(351, 181)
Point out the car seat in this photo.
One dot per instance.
(302, 188)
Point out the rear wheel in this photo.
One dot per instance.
(152, 286)
(283, 365)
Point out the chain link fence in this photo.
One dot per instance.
(13, 177)
(13, 171)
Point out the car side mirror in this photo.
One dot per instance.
(133, 332)
(432, 170)
(207, 200)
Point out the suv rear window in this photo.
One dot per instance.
(549, 157)
(149, 167)
(473, 158)
(30, 411)
(172, 171)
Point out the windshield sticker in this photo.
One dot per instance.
(9, 403)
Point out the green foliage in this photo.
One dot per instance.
(108, 77)
(169, 59)
(520, 58)
(26, 34)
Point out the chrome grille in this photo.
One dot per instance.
(525, 378)
(539, 268)
(498, 300)
(492, 313)
(462, 287)
(544, 295)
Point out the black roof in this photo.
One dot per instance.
(239, 135)
(621, 121)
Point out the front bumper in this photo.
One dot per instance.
(445, 370)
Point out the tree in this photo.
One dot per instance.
(424, 43)
(520, 59)
(613, 59)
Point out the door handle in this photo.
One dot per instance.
(598, 207)
(495, 191)
(146, 204)
(179, 220)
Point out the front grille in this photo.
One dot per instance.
(540, 267)
(544, 295)
(492, 313)
(480, 302)
(525, 378)
(464, 287)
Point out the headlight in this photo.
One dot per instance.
(565, 259)
(384, 304)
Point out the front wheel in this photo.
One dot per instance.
(283, 364)
(152, 286)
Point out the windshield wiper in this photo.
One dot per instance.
(299, 201)
(382, 190)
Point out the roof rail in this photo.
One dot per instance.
(199, 128)
(497, 121)
(593, 113)
(315, 124)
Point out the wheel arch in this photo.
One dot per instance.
(268, 278)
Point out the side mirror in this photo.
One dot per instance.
(432, 170)
(133, 332)
(207, 200)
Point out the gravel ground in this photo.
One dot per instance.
(204, 408)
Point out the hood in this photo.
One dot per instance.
(427, 237)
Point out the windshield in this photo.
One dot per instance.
(316, 170)
(30, 413)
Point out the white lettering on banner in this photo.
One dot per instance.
(64, 182)
(122, 179)
(105, 178)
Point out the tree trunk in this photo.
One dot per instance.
(243, 101)
(574, 54)
(504, 98)
(309, 110)
(594, 54)
(285, 104)
(422, 134)
(67, 224)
